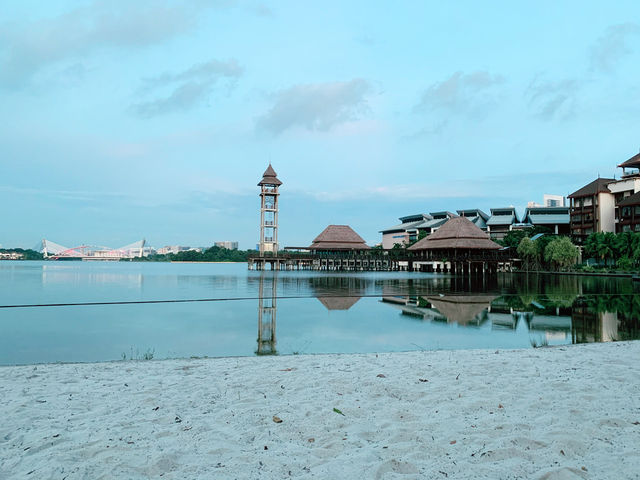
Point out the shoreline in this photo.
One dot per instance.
(558, 412)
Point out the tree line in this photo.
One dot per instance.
(211, 254)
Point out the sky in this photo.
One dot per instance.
(156, 119)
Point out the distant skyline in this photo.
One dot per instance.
(124, 120)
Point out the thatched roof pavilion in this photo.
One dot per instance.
(457, 234)
(338, 238)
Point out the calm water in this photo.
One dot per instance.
(293, 312)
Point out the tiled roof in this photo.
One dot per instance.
(457, 232)
(402, 226)
(630, 200)
(633, 162)
(593, 188)
(549, 219)
(502, 220)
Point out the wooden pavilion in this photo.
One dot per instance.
(338, 238)
(458, 246)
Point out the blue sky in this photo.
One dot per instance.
(123, 120)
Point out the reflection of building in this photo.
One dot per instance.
(468, 310)
(338, 303)
(267, 308)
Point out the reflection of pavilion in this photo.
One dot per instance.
(267, 308)
(460, 309)
(338, 303)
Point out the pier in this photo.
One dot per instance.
(384, 261)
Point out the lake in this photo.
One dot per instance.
(211, 310)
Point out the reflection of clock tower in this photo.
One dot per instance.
(269, 212)
(267, 308)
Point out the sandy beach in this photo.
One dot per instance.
(549, 413)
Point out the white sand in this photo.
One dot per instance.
(565, 412)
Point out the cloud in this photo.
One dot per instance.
(101, 24)
(187, 88)
(471, 93)
(553, 99)
(612, 46)
(317, 107)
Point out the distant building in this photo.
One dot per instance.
(11, 255)
(228, 245)
(477, 217)
(407, 231)
(549, 201)
(501, 222)
(557, 219)
(176, 249)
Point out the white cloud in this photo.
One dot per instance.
(188, 88)
(473, 93)
(317, 107)
(612, 46)
(101, 24)
(553, 99)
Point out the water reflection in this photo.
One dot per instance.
(267, 309)
(315, 312)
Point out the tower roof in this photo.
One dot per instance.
(458, 232)
(269, 177)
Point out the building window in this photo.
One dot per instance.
(637, 209)
(626, 228)
(626, 211)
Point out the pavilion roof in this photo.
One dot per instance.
(633, 162)
(597, 186)
(338, 237)
(458, 232)
(269, 177)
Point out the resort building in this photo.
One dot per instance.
(501, 222)
(592, 209)
(556, 219)
(338, 238)
(477, 217)
(607, 204)
(407, 231)
(628, 210)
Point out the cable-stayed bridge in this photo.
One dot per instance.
(55, 251)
